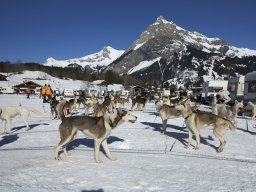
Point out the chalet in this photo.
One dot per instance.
(137, 90)
(34, 87)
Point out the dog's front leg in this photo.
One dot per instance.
(106, 149)
(7, 126)
(197, 139)
(189, 139)
(164, 126)
(96, 151)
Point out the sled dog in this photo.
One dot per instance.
(53, 104)
(227, 111)
(253, 107)
(195, 120)
(97, 128)
(7, 113)
(168, 112)
(139, 103)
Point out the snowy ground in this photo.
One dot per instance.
(147, 160)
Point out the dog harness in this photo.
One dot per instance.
(114, 124)
(188, 116)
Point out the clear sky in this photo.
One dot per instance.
(33, 30)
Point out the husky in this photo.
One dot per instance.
(69, 107)
(139, 103)
(97, 128)
(53, 104)
(195, 120)
(168, 112)
(227, 111)
(253, 108)
(100, 109)
(122, 101)
(7, 113)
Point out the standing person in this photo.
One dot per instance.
(44, 93)
(48, 92)
(28, 91)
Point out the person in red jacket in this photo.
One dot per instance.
(28, 91)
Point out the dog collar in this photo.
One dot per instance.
(188, 116)
(114, 124)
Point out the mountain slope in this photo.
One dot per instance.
(100, 59)
(166, 51)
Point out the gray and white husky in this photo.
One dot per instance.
(97, 128)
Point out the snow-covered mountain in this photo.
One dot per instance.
(101, 59)
(166, 51)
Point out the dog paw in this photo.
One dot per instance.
(113, 158)
(68, 154)
(219, 150)
(58, 158)
(196, 148)
(98, 161)
(5, 133)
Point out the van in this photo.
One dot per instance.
(7, 90)
(68, 93)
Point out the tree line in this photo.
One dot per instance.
(77, 73)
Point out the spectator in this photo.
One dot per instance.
(48, 92)
(44, 93)
(28, 91)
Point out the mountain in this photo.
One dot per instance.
(167, 52)
(94, 61)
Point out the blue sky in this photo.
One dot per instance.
(33, 30)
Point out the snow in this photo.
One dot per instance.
(145, 162)
(102, 58)
(240, 52)
(138, 46)
(143, 65)
(41, 78)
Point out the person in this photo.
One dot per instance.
(48, 92)
(223, 96)
(43, 92)
(28, 91)
(82, 95)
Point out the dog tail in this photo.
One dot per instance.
(60, 110)
(65, 132)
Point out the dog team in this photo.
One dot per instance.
(106, 116)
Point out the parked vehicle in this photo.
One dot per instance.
(7, 90)
(37, 90)
(236, 88)
(68, 93)
(211, 88)
(250, 87)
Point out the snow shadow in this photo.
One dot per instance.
(250, 132)
(31, 126)
(158, 126)
(7, 139)
(90, 142)
(181, 136)
(97, 190)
